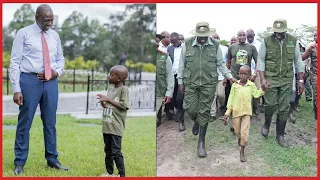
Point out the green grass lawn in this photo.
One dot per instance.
(82, 149)
(265, 157)
(63, 88)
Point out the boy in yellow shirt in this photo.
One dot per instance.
(239, 104)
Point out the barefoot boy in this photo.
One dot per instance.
(239, 104)
(115, 104)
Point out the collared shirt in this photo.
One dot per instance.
(27, 54)
(240, 99)
(177, 54)
(169, 78)
(299, 66)
(221, 65)
(162, 48)
(224, 50)
(257, 44)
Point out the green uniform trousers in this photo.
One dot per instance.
(278, 97)
(198, 100)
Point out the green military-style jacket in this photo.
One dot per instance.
(279, 58)
(198, 64)
(164, 76)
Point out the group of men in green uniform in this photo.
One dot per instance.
(197, 76)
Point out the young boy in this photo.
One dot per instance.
(115, 104)
(239, 104)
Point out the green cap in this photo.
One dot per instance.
(279, 26)
(203, 30)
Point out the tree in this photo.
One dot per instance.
(73, 34)
(7, 40)
(133, 32)
(99, 44)
(23, 17)
(5, 59)
(224, 42)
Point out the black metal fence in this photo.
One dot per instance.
(74, 80)
(141, 94)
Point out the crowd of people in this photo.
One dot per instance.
(210, 81)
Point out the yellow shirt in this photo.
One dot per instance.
(240, 99)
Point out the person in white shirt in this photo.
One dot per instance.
(250, 39)
(174, 51)
(219, 97)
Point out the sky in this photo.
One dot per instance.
(100, 11)
(229, 18)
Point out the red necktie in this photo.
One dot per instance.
(46, 58)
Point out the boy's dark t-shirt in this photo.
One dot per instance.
(113, 119)
(241, 54)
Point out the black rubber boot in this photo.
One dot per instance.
(281, 125)
(291, 115)
(169, 114)
(195, 128)
(180, 117)
(159, 116)
(266, 126)
(201, 143)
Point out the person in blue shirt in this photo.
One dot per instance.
(34, 48)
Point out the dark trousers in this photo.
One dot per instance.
(226, 93)
(35, 92)
(307, 86)
(112, 148)
(296, 102)
(177, 98)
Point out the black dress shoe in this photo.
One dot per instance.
(57, 166)
(18, 169)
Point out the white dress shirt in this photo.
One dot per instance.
(224, 50)
(257, 44)
(177, 54)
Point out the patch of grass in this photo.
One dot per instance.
(82, 148)
(64, 87)
(89, 121)
(10, 120)
(298, 160)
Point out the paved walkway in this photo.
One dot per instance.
(76, 103)
(71, 103)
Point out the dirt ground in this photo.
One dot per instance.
(177, 151)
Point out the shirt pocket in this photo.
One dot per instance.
(189, 58)
(290, 53)
(271, 53)
(270, 66)
(211, 57)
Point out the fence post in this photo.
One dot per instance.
(140, 74)
(155, 97)
(7, 81)
(135, 73)
(129, 69)
(88, 89)
(74, 79)
(92, 79)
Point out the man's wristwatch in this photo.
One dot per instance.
(301, 81)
